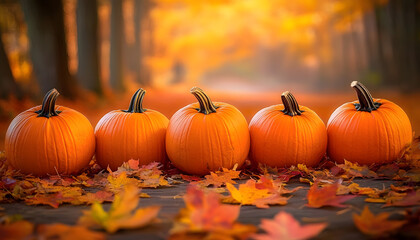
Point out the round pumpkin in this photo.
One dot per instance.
(136, 133)
(368, 130)
(207, 136)
(287, 134)
(49, 139)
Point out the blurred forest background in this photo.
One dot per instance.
(246, 52)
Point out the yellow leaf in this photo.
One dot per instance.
(121, 215)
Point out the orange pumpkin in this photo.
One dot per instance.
(136, 133)
(207, 136)
(49, 139)
(287, 134)
(368, 130)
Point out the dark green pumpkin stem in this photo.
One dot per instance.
(136, 103)
(291, 106)
(48, 104)
(366, 102)
(206, 105)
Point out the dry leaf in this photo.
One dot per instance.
(376, 225)
(284, 226)
(58, 231)
(219, 178)
(325, 196)
(411, 199)
(249, 194)
(121, 215)
(205, 216)
(355, 170)
(117, 182)
(20, 229)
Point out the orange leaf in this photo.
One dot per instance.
(355, 170)
(252, 194)
(325, 196)
(285, 226)
(206, 212)
(99, 196)
(205, 216)
(376, 225)
(54, 200)
(117, 183)
(219, 178)
(411, 199)
(21, 229)
(66, 232)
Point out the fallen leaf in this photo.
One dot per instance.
(65, 232)
(219, 178)
(99, 196)
(118, 182)
(376, 225)
(205, 216)
(355, 170)
(54, 200)
(121, 215)
(11, 228)
(285, 226)
(325, 196)
(249, 194)
(190, 178)
(411, 199)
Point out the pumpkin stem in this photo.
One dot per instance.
(366, 102)
(48, 104)
(136, 103)
(206, 105)
(291, 106)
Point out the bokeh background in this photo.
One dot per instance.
(244, 52)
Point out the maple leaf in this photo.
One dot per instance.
(285, 226)
(325, 196)
(66, 232)
(117, 183)
(205, 216)
(151, 176)
(249, 194)
(121, 215)
(376, 225)
(274, 186)
(189, 178)
(411, 154)
(99, 196)
(355, 170)
(411, 199)
(54, 200)
(219, 178)
(13, 227)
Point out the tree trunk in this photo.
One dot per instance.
(8, 86)
(140, 9)
(45, 21)
(116, 58)
(88, 45)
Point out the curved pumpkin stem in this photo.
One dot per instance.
(291, 106)
(48, 104)
(366, 102)
(136, 103)
(206, 105)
